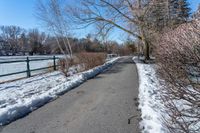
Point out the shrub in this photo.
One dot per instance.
(50, 69)
(64, 65)
(85, 59)
(178, 59)
(91, 60)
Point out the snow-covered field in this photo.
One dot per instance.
(22, 66)
(151, 106)
(21, 97)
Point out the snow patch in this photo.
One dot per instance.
(150, 103)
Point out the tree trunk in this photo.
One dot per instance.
(146, 44)
(147, 51)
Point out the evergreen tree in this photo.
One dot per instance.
(160, 14)
(157, 16)
(196, 15)
(183, 11)
(167, 13)
(178, 12)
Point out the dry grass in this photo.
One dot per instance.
(87, 60)
(50, 69)
(91, 60)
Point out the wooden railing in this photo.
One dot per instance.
(27, 60)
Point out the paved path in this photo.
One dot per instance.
(101, 105)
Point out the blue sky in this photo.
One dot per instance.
(18, 12)
(21, 13)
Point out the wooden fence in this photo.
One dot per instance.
(28, 70)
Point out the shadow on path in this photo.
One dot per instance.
(117, 68)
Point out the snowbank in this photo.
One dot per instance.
(150, 104)
(19, 98)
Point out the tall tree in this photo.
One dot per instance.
(167, 13)
(196, 15)
(158, 15)
(11, 35)
(23, 43)
(121, 14)
(51, 13)
(179, 12)
(183, 11)
(36, 40)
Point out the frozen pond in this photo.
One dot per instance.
(22, 66)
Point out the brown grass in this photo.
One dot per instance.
(91, 60)
(87, 60)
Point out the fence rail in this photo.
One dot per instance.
(28, 70)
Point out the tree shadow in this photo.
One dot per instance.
(119, 66)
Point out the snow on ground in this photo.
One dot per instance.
(23, 96)
(150, 104)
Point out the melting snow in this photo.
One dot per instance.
(149, 99)
(21, 97)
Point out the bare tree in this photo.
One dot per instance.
(11, 35)
(122, 14)
(51, 14)
(36, 41)
(139, 18)
(23, 42)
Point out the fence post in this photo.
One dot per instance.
(28, 67)
(54, 63)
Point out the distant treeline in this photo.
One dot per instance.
(15, 40)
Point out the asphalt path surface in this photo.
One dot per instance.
(103, 104)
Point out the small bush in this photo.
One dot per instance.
(85, 59)
(64, 65)
(50, 69)
(91, 60)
